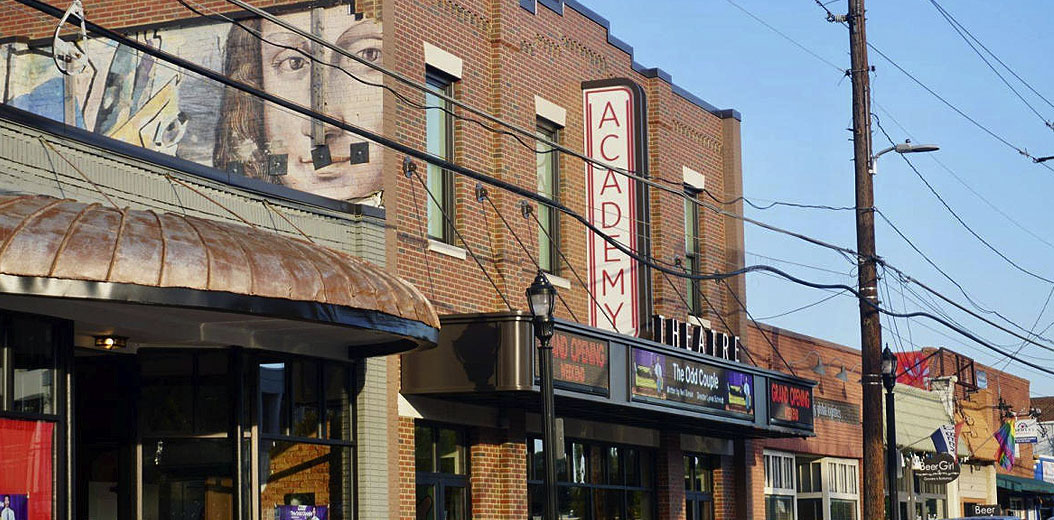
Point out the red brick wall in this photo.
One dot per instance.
(505, 51)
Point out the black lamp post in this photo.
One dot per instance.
(889, 380)
(541, 298)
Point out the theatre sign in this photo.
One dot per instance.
(614, 135)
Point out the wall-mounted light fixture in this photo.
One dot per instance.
(111, 342)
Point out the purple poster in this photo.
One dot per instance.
(666, 379)
(14, 507)
(297, 513)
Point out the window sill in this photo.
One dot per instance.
(696, 320)
(558, 281)
(446, 249)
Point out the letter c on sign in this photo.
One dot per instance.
(603, 153)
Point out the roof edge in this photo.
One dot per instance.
(557, 6)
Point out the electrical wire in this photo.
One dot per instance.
(958, 285)
(383, 141)
(959, 218)
(528, 210)
(483, 196)
(963, 32)
(788, 38)
(803, 307)
(756, 324)
(1021, 151)
(449, 221)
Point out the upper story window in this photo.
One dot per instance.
(439, 128)
(693, 261)
(548, 167)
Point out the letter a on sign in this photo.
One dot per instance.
(612, 136)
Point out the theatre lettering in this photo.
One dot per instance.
(679, 334)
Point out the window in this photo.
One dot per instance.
(187, 449)
(441, 461)
(595, 481)
(827, 489)
(31, 394)
(548, 166)
(693, 263)
(439, 127)
(306, 448)
(779, 486)
(699, 487)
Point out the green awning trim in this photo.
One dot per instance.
(1023, 485)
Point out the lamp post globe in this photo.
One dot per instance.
(541, 299)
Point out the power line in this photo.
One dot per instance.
(959, 218)
(831, 17)
(756, 324)
(483, 196)
(529, 211)
(788, 38)
(963, 32)
(803, 307)
(958, 285)
(964, 184)
(412, 152)
(411, 169)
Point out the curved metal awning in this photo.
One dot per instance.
(175, 279)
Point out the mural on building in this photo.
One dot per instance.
(130, 96)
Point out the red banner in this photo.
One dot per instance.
(913, 369)
(25, 466)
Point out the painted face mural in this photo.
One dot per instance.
(132, 97)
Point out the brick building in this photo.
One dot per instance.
(672, 406)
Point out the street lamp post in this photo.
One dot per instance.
(541, 298)
(889, 380)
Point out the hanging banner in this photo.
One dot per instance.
(914, 369)
(613, 112)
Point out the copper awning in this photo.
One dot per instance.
(281, 288)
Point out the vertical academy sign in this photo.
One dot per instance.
(614, 135)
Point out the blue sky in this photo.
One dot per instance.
(796, 147)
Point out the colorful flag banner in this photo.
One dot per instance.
(914, 368)
(946, 438)
(1005, 437)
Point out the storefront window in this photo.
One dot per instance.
(699, 487)
(306, 450)
(930, 500)
(827, 489)
(187, 450)
(441, 457)
(595, 481)
(28, 458)
(779, 486)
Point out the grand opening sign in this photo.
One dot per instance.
(580, 363)
(613, 136)
(790, 404)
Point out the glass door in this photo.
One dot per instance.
(186, 448)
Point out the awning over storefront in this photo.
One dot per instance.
(1023, 485)
(167, 278)
(918, 414)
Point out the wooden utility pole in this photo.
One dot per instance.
(874, 504)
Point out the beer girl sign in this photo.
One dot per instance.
(614, 135)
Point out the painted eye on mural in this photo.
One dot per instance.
(291, 64)
(371, 54)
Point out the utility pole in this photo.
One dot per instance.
(874, 503)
